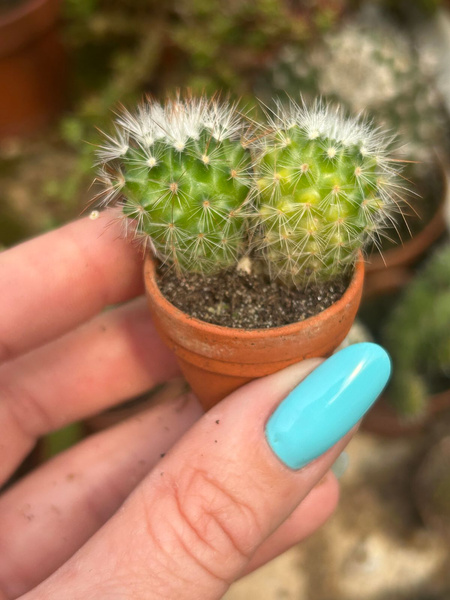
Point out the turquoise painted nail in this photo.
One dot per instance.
(328, 403)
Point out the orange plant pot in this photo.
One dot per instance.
(394, 270)
(217, 360)
(384, 421)
(32, 67)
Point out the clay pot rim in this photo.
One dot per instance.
(25, 8)
(408, 251)
(22, 24)
(249, 334)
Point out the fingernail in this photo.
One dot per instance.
(328, 403)
(340, 465)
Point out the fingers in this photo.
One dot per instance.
(195, 523)
(113, 357)
(58, 507)
(59, 280)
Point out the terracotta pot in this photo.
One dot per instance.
(32, 67)
(383, 420)
(217, 360)
(391, 271)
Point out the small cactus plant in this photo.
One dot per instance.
(184, 174)
(302, 194)
(326, 188)
(417, 336)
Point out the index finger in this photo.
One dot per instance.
(57, 281)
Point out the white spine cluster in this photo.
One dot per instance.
(323, 120)
(177, 122)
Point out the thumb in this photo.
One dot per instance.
(193, 526)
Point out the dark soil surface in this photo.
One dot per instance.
(237, 299)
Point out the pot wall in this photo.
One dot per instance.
(217, 360)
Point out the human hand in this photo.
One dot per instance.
(172, 503)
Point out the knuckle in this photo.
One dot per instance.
(6, 353)
(26, 410)
(209, 526)
(217, 514)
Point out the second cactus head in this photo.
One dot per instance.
(326, 188)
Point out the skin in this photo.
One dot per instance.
(112, 517)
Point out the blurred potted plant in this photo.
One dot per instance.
(417, 335)
(265, 223)
(369, 66)
(32, 65)
(227, 44)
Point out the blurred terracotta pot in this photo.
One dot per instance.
(217, 360)
(383, 420)
(393, 270)
(32, 67)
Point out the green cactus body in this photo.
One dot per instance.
(184, 175)
(325, 189)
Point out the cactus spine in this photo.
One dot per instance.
(326, 188)
(184, 174)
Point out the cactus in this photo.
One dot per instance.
(312, 187)
(417, 335)
(184, 174)
(326, 188)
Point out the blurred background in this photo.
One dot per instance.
(67, 65)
